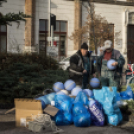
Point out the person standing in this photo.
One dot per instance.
(110, 77)
(81, 67)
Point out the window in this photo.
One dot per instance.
(63, 27)
(3, 38)
(42, 25)
(130, 44)
(43, 33)
(111, 34)
(131, 18)
(60, 32)
(62, 45)
(57, 26)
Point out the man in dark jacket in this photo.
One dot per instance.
(110, 77)
(81, 67)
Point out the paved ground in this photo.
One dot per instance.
(7, 126)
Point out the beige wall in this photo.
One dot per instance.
(64, 10)
(15, 34)
(114, 14)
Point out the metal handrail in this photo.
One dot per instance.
(128, 81)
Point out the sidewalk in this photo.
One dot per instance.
(7, 126)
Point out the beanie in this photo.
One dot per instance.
(84, 46)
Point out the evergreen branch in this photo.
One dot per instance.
(2, 1)
(5, 19)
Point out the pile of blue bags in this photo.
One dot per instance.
(87, 108)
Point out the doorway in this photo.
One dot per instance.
(130, 44)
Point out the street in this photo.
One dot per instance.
(7, 126)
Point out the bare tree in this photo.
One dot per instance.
(95, 30)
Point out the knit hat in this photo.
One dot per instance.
(84, 46)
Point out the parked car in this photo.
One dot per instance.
(64, 64)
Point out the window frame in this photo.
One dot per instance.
(112, 24)
(46, 22)
(60, 33)
(1, 34)
(56, 32)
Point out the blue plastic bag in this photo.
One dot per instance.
(62, 118)
(61, 98)
(43, 99)
(46, 99)
(64, 104)
(72, 100)
(50, 97)
(107, 97)
(88, 92)
(59, 118)
(120, 116)
(81, 116)
(82, 120)
(113, 119)
(128, 94)
(78, 109)
(68, 117)
(118, 97)
(81, 97)
(97, 115)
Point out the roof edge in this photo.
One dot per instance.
(112, 2)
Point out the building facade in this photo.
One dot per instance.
(70, 15)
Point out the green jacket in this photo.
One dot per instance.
(115, 55)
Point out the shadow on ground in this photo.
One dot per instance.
(7, 125)
(10, 128)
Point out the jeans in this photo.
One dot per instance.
(85, 81)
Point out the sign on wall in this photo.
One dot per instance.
(52, 51)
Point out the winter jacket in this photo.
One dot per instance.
(77, 66)
(115, 55)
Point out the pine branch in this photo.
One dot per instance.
(6, 19)
(1, 1)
